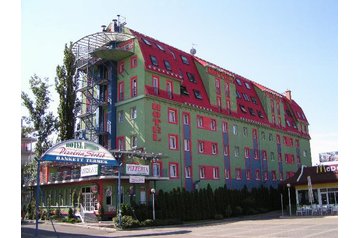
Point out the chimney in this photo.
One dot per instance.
(288, 94)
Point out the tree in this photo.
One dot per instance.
(44, 123)
(66, 87)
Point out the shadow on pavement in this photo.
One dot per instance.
(160, 233)
(30, 232)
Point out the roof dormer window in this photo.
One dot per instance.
(259, 113)
(243, 109)
(184, 59)
(247, 85)
(154, 60)
(160, 47)
(191, 77)
(252, 112)
(238, 95)
(146, 42)
(238, 81)
(167, 65)
(197, 94)
(183, 90)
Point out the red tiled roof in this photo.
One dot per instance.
(248, 99)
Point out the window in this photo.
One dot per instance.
(199, 121)
(215, 172)
(246, 98)
(278, 139)
(108, 195)
(121, 143)
(186, 119)
(265, 175)
(272, 156)
(134, 62)
(224, 127)
(133, 112)
(121, 91)
(170, 89)
(218, 102)
(214, 148)
(172, 116)
(227, 174)
(184, 59)
(228, 106)
(120, 67)
(173, 142)
(245, 131)
(263, 135)
(234, 129)
(257, 174)
(188, 172)
(227, 89)
(155, 84)
(173, 170)
(273, 174)
(201, 147)
(242, 108)
(183, 90)
(217, 86)
(160, 47)
(248, 174)
(264, 155)
(202, 172)
(256, 154)
(172, 53)
(238, 81)
(156, 169)
(167, 65)
(270, 137)
(236, 151)
(154, 60)
(146, 41)
(121, 116)
(247, 85)
(252, 112)
(304, 153)
(247, 152)
(253, 99)
(279, 157)
(134, 141)
(259, 113)
(254, 134)
(191, 77)
(197, 94)
(186, 145)
(238, 174)
(133, 86)
(238, 95)
(213, 125)
(226, 150)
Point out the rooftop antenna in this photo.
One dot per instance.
(193, 50)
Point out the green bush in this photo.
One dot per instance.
(148, 222)
(129, 222)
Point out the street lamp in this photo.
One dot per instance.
(289, 198)
(152, 191)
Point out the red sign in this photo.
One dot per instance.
(156, 129)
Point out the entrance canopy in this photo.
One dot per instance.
(79, 151)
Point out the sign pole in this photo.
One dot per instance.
(119, 195)
(37, 197)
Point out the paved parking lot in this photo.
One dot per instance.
(302, 227)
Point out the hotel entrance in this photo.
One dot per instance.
(89, 199)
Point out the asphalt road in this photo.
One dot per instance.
(256, 226)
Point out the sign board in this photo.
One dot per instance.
(79, 151)
(327, 168)
(135, 169)
(89, 170)
(328, 157)
(136, 179)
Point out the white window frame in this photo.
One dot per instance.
(199, 121)
(172, 116)
(201, 147)
(173, 170)
(173, 142)
(134, 141)
(133, 112)
(214, 148)
(188, 172)
(186, 119)
(202, 172)
(235, 129)
(186, 145)
(216, 173)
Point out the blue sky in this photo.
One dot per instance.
(282, 44)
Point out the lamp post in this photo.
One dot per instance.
(289, 198)
(152, 191)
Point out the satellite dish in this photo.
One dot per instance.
(193, 51)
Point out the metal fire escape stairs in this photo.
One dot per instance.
(96, 75)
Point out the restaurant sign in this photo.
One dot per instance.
(327, 168)
(79, 151)
(136, 179)
(89, 170)
(135, 169)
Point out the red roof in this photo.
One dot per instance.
(182, 67)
